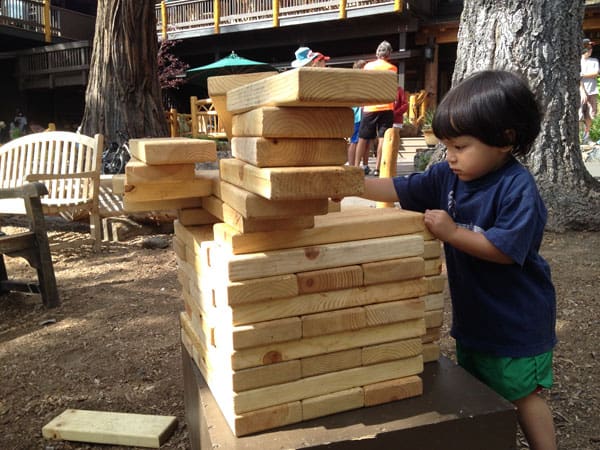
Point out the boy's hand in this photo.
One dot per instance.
(440, 224)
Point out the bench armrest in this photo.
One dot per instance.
(56, 176)
(28, 190)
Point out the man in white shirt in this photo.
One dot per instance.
(588, 88)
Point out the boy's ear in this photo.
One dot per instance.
(511, 137)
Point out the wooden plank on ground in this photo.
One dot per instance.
(347, 225)
(104, 427)
(138, 172)
(316, 87)
(284, 152)
(173, 150)
(272, 122)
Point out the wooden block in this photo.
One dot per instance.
(329, 279)
(325, 384)
(316, 87)
(195, 216)
(393, 270)
(396, 311)
(431, 334)
(192, 236)
(433, 249)
(333, 322)
(331, 362)
(103, 427)
(260, 376)
(433, 266)
(268, 288)
(334, 206)
(431, 352)
(273, 122)
(436, 283)
(118, 184)
(294, 183)
(179, 247)
(348, 225)
(330, 343)
(130, 205)
(264, 333)
(138, 172)
(434, 318)
(168, 191)
(173, 150)
(263, 152)
(390, 351)
(433, 301)
(221, 85)
(335, 402)
(253, 206)
(279, 262)
(267, 418)
(391, 390)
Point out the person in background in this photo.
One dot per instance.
(20, 122)
(588, 89)
(305, 57)
(376, 118)
(486, 209)
(357, 110)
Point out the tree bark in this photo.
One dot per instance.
(123, 91)
(540, 39)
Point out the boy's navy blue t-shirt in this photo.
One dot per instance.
(500, 309)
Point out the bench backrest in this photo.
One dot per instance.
(69, 164)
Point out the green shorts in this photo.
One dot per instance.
(512, 378)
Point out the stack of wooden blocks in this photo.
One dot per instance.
(291, 312)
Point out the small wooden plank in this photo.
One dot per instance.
(302, 259)
(431, 352)
(192, 236)
(327, 87)
(284, 152)
(390, 351)
(277, 373)
(393, 270)
(222, 84)
(347, 225)
(333, 321)
(433, 301)
(391, 390)
(253, 206)
(333, 403)
(396, 311)
(197, 187)
(179, 247)
(103, 427)
(259, 289)
(431, 335)
(195, 216)
(433, 266)
(267, 418)
(138, 172)
(433, 249)
(434, 318)
(173, 150)
(331, 362)
(118, 184)
(436, 283)
(130, 205)
(264, 333)
(329, 279)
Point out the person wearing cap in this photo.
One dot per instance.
(376, 118)
(588, 88)
(305, 57)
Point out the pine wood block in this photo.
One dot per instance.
(395, 311)
(393, 270)
(284, 152)
(433, 249)
(157, 151)
(138, 172)
(294, 183)
(348, 225)
(253, 206)
(390, 351)
(329, 279)
(130, 205)
(330, 343)
(335, 402)
(334, 206)
(265, 333)
(432, 334)
(244, 225)
(434, 318)
(325, 384)
(391, 390)
(302, 259)
(277, 373)
(103, 427)
(331, 362)
(267, 418)
(179, 247)
(333, 321)
(221, 85)
(168, 191)
(433, 267)
(326, 301)
(118, 184)
(274, 122)
(316, 87)
(258, 289)
(431, 352)
(433, 301)
(436, 283)
(192, 236)
(195, 216)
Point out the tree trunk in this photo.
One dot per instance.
(541, 39)
(123, 91)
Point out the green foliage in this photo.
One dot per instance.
(428, 120)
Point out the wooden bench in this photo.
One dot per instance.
(69, 164)
(410, 145)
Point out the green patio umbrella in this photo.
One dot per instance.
(230, 65)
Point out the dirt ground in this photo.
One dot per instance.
(113, 344)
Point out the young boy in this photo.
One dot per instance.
(485, 207)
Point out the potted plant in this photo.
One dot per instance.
(427, 131)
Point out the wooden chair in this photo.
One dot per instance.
(31, 245)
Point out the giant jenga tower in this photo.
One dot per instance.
(293, 312)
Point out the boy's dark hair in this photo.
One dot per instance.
(495, 106)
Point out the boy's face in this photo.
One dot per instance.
(470, 159)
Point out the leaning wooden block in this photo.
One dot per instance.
(173, 150)
(398, 389)
(138, 172)
(263, 152)
(294, 183)
(100, 427)
(272, 122)
(316, 87)
(335, 402)
(196, 187)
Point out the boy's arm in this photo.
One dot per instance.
(380, 190)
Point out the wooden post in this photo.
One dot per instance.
(431, 77)
(343, 12)
(164, 19)
(398, 6)
(173, 122)
(389, 159)
(194, 114)
(275, 13)
(47, 22)
(217, 15)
